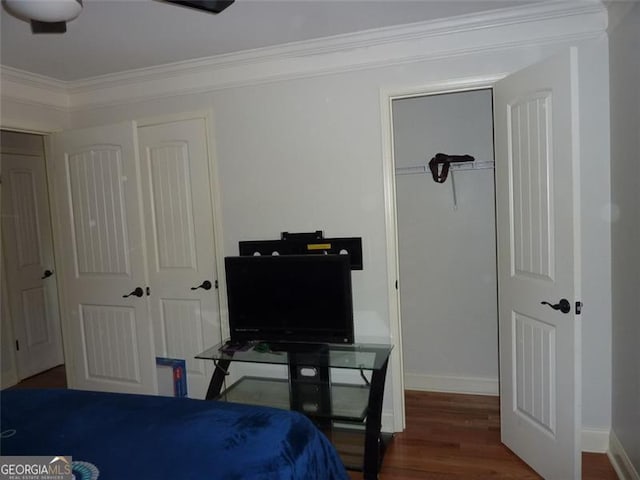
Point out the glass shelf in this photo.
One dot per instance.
(348, 402)
(358, 356)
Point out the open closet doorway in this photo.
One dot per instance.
(32, 337)
(447, 241)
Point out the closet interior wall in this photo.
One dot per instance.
(447, 244)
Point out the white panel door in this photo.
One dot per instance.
(99, 241)
(28, 247)
(180, 241)
(538, 261)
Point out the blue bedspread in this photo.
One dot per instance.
(149, 437)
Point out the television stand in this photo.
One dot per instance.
(350, 414)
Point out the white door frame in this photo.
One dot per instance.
(387, 96)
(12, 376)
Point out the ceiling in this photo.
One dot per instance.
(113, 36)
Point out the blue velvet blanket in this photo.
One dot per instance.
(149, 437)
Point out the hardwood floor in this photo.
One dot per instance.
(448, 437)
(451, 436)
(53, 378)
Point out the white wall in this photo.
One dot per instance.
(624, 45)
(447, 258)
(595, 243)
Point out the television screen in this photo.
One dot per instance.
(290, 298)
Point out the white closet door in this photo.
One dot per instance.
(28, 248)
(537, 202)
(177, 202)
(99, 243)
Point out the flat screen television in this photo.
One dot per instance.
(290, 298)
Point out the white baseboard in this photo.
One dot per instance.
(595, 440)
(441, 383)
(620, 460)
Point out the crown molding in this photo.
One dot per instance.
(33, 89)
(541, 23)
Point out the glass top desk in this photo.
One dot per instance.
(310, 390)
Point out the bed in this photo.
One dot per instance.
(150, 437)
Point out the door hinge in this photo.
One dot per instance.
(215, 284)
(396, 284)
(17, 345)
(578, 308)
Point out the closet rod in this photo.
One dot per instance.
(453, 167)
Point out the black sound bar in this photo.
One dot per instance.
(304, 244)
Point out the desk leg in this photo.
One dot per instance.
(219, 372)
(372, 446)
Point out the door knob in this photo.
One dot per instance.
(138, 292)
(206, 285)
(46, 274)
(563, 305)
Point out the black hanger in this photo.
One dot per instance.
(445, 160)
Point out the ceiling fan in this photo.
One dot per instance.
(51, 16)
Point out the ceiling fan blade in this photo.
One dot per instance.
(48, 27)
(212, 6)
